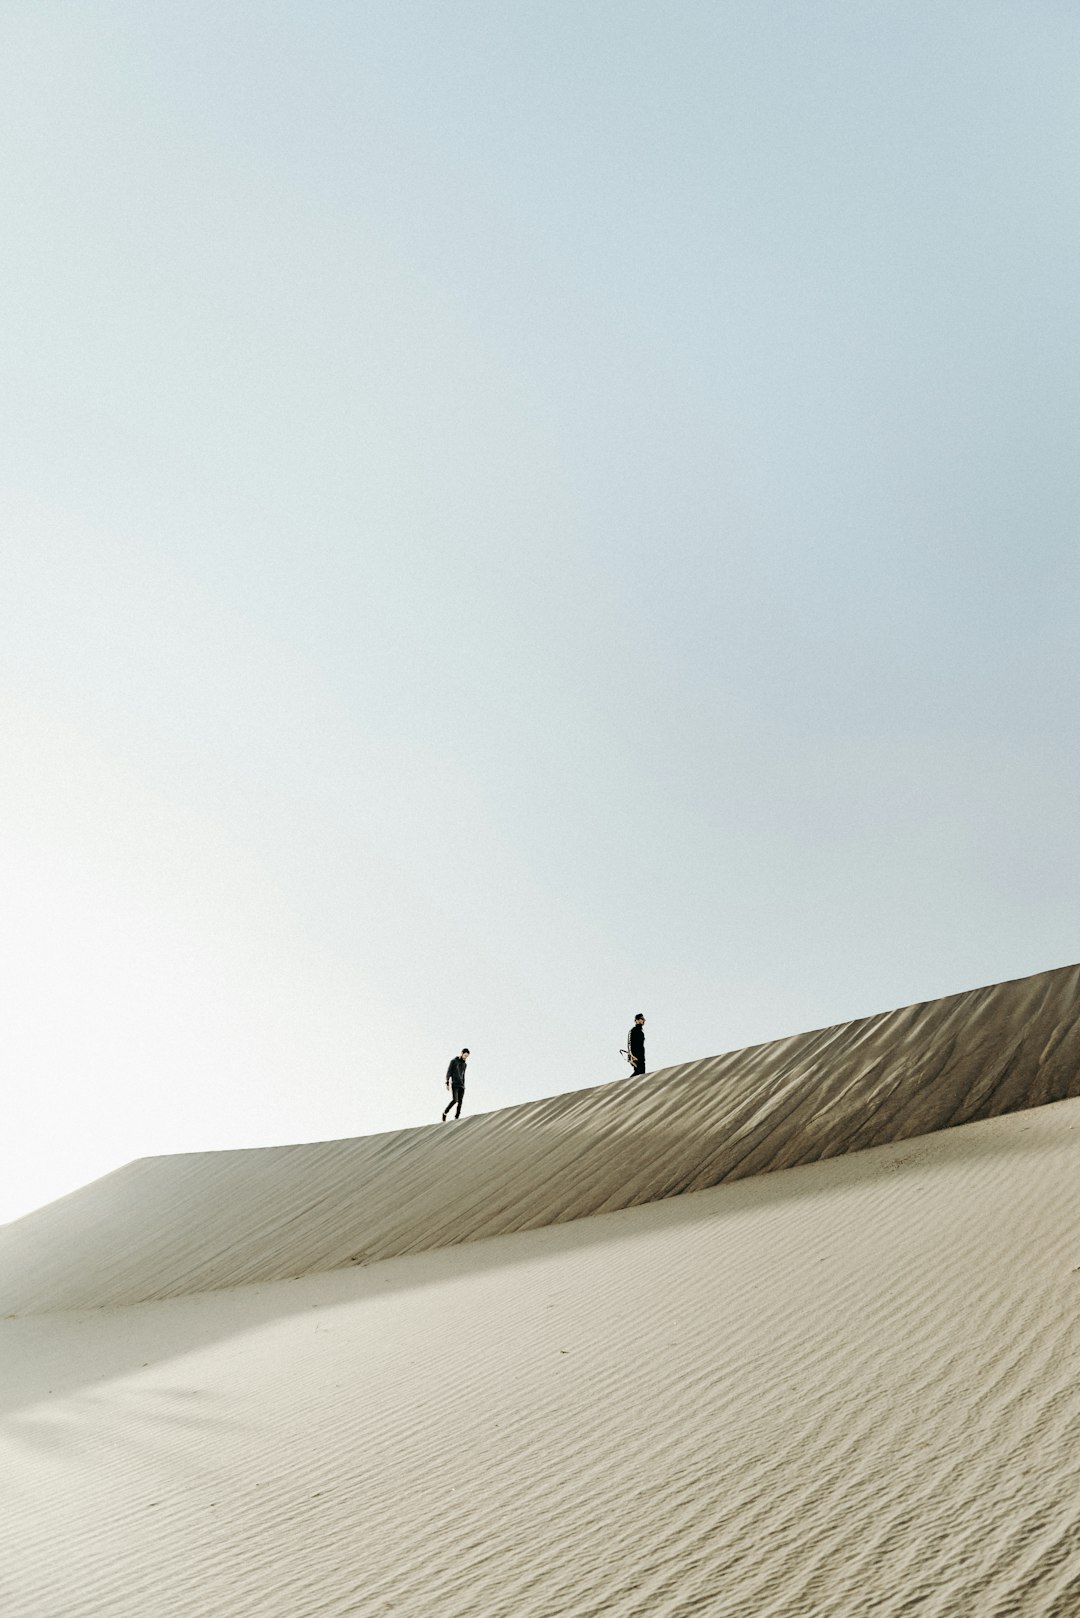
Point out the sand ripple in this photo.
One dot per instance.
(843, 1390)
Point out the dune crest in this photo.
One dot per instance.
(172, 1225)
(166, 1227)
(844, 1388)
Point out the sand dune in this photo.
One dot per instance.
(836, 1390)
(163, 1227)
(842, 1390)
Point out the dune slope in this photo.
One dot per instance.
(164, 1227)
(841, 1390)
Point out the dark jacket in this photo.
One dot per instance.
(456, 1072)
(635, 1042)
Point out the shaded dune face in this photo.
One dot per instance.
(164, 1227)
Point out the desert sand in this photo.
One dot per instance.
(793, 1331)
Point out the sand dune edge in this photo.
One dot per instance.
(167, 1227)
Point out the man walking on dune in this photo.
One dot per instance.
(635, 1044)
(455, 1082)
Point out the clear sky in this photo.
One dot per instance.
(512, 515)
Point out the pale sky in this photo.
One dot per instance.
(512, 515)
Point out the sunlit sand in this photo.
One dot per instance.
(792, 1331)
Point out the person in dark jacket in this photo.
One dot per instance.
(455, 1082)
(635, 1043)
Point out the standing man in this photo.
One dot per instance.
(635, 1044)
(455, 1082)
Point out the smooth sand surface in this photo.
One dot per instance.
(845, 1388)
(165, 1227)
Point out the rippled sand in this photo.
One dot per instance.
(844, 1387)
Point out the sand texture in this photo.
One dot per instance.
(846, 1389)
(165, 1227)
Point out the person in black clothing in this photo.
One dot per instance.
(455, 1082)
(635, 1043)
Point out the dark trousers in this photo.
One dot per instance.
(457, 1095)
(639, 1066)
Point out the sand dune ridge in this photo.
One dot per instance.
(166, 1227)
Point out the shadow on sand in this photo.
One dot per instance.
(50, 1357)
